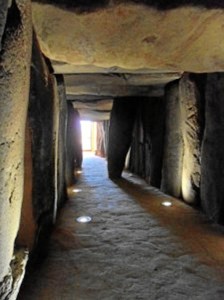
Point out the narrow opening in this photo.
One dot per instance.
(88, 129)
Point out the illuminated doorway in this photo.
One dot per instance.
(88, 136)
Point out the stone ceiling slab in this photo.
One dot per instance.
(133, 36)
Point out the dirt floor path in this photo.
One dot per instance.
(134, 248)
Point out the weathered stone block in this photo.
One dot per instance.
(62, 140)
(212, 160)
(14, 93)
(191, 94)
(74, 144)
(120, 134)
(147, 143)
(3, 15)
(173, 143)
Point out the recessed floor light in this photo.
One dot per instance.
(84, 219)
(76, 190)
(167, 203)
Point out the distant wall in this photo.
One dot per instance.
(147, 144)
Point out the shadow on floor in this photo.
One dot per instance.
(192, 228)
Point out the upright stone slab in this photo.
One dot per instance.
(212, 160)
(137, 158)
(56, 121)
(192, 102)
(28, 225)
(173, 143)
(153, 118)
(14, 93)
(3, 15)
(77, 139)
(62, 140)
(41, 125)
(73, 146)
(147, 143)
(100, 143)
(120, 134)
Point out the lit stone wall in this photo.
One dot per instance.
(14, 94)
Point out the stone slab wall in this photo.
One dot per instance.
(191, 93)
(147, 143)
(73, 145)
(212, 160)
(41, 187)
(15, 58)
(173, 143)
(184, 133)
(122, 120)
(62, 141)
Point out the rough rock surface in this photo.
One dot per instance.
(212, 163)
(3, 15)
(134, 248)
(14, 93)
(94, 110)
(173, 143)
(40, 120)
(192, 113)
(133, 36)
(62, 140)
(147, 142)
(11, 283)
(122, 120)
(28, 225)
(73, 144)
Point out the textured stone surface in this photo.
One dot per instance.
(147, 142)
(133, 36)
(95, 110)
(105, 81)
(122, 120)
(192, 113)
(67, 68)
(74, 144)
(3, 15)
(28, 225)
(56, 149)
(173, 143)
(134, 248)
(62, 140)
(9, 287)
(14, 94)
(212, 162)
(41, 123)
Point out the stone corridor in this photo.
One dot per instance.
(134, 248)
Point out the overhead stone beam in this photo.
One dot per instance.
(121, 79)
(78, 92)
(103, 105)
(86, 98)
(131, 35)
(60, 67)
(117, 85)
(93, 115)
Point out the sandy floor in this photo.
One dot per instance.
(134, 248)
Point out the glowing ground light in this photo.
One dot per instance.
(167, 203)
(84, 219)
(76, 190)
(79, 172)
